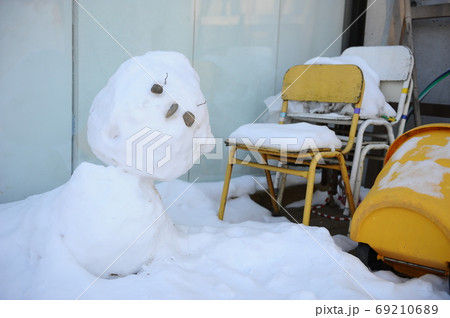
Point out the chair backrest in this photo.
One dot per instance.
(325, 83)
(394, 65)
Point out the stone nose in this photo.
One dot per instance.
(173, 108)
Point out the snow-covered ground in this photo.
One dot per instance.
(250, 255)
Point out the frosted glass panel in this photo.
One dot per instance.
(35, 96)
(242, 50)
(235, 54)
(139, 26)
(308, 28)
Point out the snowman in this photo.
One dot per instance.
(150, 122)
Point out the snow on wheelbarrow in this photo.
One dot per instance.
(405, 218)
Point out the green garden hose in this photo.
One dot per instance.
(430, 87)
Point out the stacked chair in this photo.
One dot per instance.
(332, 84)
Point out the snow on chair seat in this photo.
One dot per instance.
(290, 137)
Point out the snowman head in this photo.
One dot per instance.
(151, 118)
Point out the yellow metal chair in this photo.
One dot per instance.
(319, 83)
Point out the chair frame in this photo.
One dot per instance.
(404, 100)
(323, 83)
(403, 79)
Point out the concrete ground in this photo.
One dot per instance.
(296, 193)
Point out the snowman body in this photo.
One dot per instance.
(150, 122)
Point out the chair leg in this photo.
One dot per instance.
(273, 199)
(309, 189)
(357, 184)
(226, 183)
(281, 187)
(345, 179)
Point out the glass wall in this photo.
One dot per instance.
(240, 48)
(35, 96)
(56, 55)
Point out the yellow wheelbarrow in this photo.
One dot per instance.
(404, 220)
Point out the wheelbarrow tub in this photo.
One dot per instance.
(405, 217)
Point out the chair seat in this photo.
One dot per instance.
(331, 118)
(287, 137)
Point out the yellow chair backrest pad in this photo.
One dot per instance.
(323, 83)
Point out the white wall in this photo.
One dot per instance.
(35, 96)
(240, 48)
(431, 47)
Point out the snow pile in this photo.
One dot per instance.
(249, 256)
(259, 257)
(373, 105)
(345, 242)
(289, 137)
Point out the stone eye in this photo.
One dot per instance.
(157, 89)
(188, 118)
